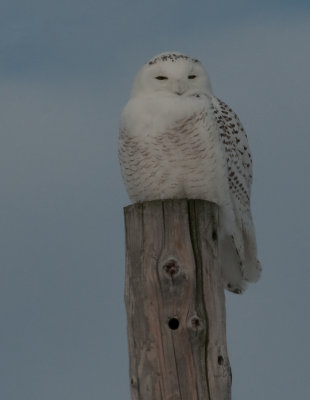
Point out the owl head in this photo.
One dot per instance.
(172, 73)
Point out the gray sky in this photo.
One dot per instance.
(66, 69)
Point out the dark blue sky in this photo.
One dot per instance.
(68, 37)
(66, 69)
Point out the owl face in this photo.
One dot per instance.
(172, 73)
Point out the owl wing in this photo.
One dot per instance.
(238, 155)
(239, 176)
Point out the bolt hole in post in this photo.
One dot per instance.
(173, 324)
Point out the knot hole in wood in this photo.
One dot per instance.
(195, 322)
(171, 267)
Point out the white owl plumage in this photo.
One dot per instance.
(177, 140)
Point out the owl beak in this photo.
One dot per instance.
(180, 87)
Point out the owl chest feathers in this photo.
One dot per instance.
(170, 149)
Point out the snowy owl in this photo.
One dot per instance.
(177, 140)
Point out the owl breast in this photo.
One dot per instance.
(172, 151)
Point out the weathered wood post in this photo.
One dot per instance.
(175, 302)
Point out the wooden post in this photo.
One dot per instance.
(175, 302)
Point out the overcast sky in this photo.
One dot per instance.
(66, 68)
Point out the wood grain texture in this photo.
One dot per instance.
(175, 302)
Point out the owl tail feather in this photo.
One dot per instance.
(231, 265)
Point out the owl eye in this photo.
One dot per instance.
(161, 78)
(191, 76)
